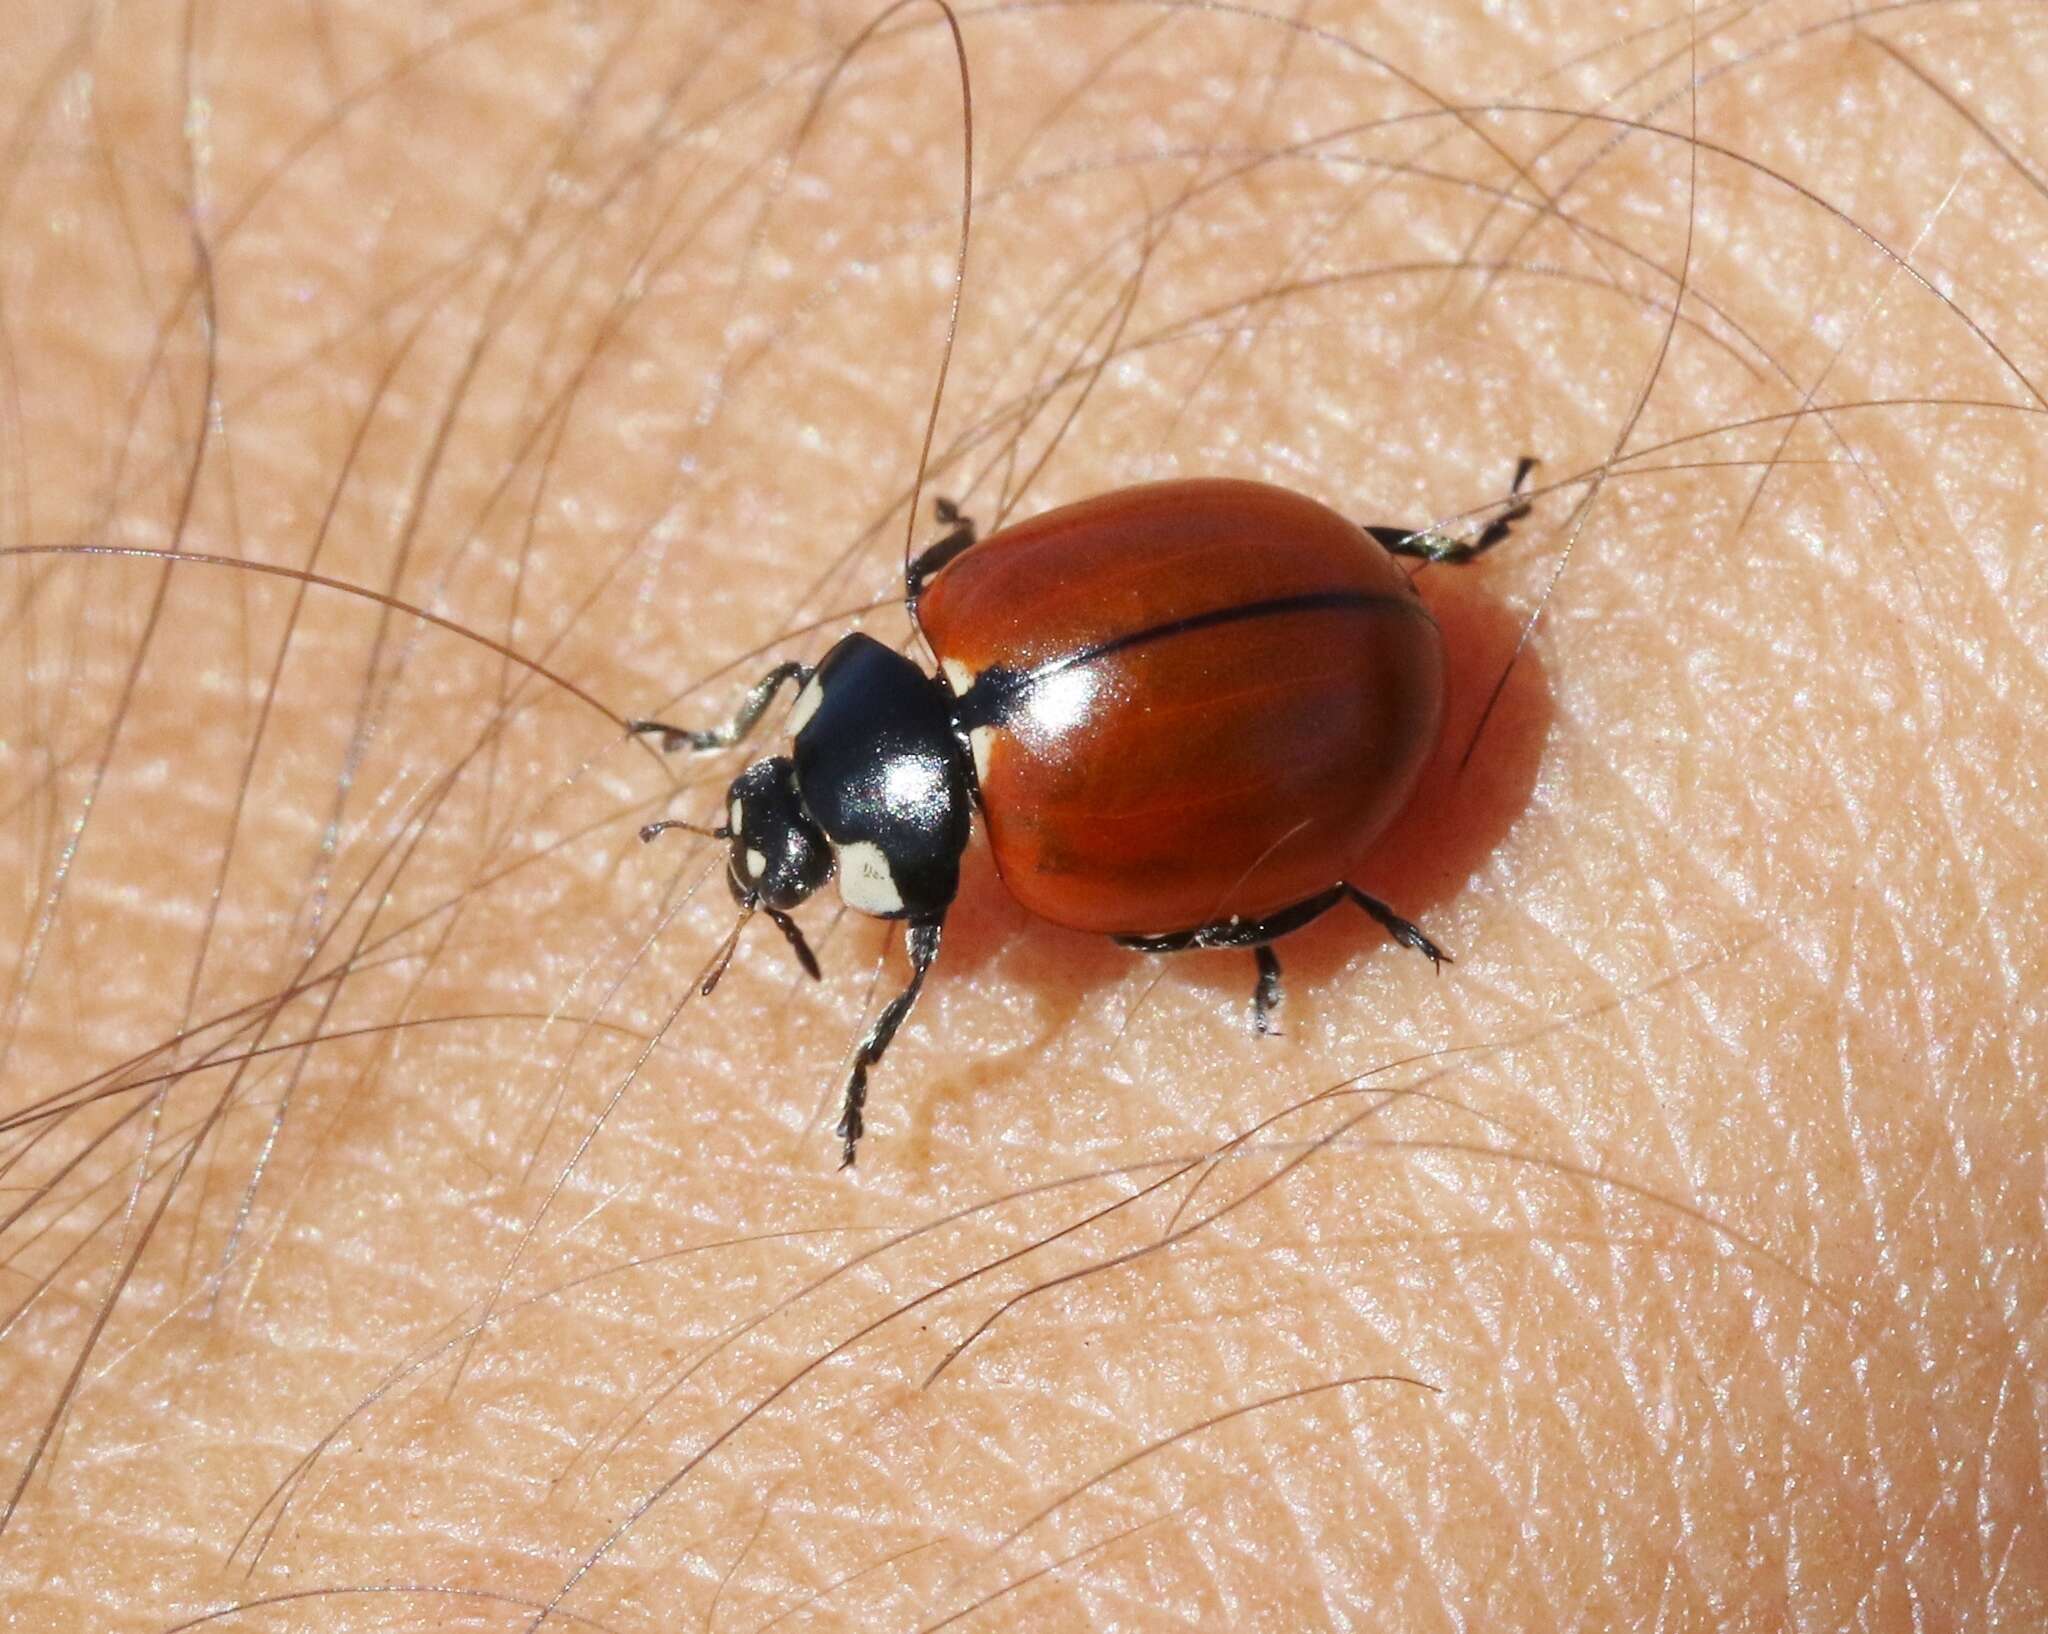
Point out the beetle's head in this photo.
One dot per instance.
(779, 856)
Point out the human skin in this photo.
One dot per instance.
(1689, 1224)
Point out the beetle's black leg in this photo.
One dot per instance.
(1256, 933)
(958, 540)
(923, 946)
(1400, 929)
(1241, 932)
(752, 708)
(1266, 991)
(1436, 547)
(1253, 934)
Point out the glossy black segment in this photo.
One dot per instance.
(878, 765)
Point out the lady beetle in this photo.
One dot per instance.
(1185, 711)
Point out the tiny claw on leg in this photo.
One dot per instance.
(673, 738)
(1402, 931)
(1413, 938)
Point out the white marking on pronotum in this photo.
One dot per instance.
(806, 705)
(865, 883)
(757, 864)
(736, 816)
(958, 676)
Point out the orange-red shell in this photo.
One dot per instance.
(1160, 774)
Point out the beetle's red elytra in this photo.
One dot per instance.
(1186, 702)
(1184, 711)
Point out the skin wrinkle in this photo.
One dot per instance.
(1817, 1466)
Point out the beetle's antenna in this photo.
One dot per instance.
(652, 830)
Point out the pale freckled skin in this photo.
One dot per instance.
(1729, 1289)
